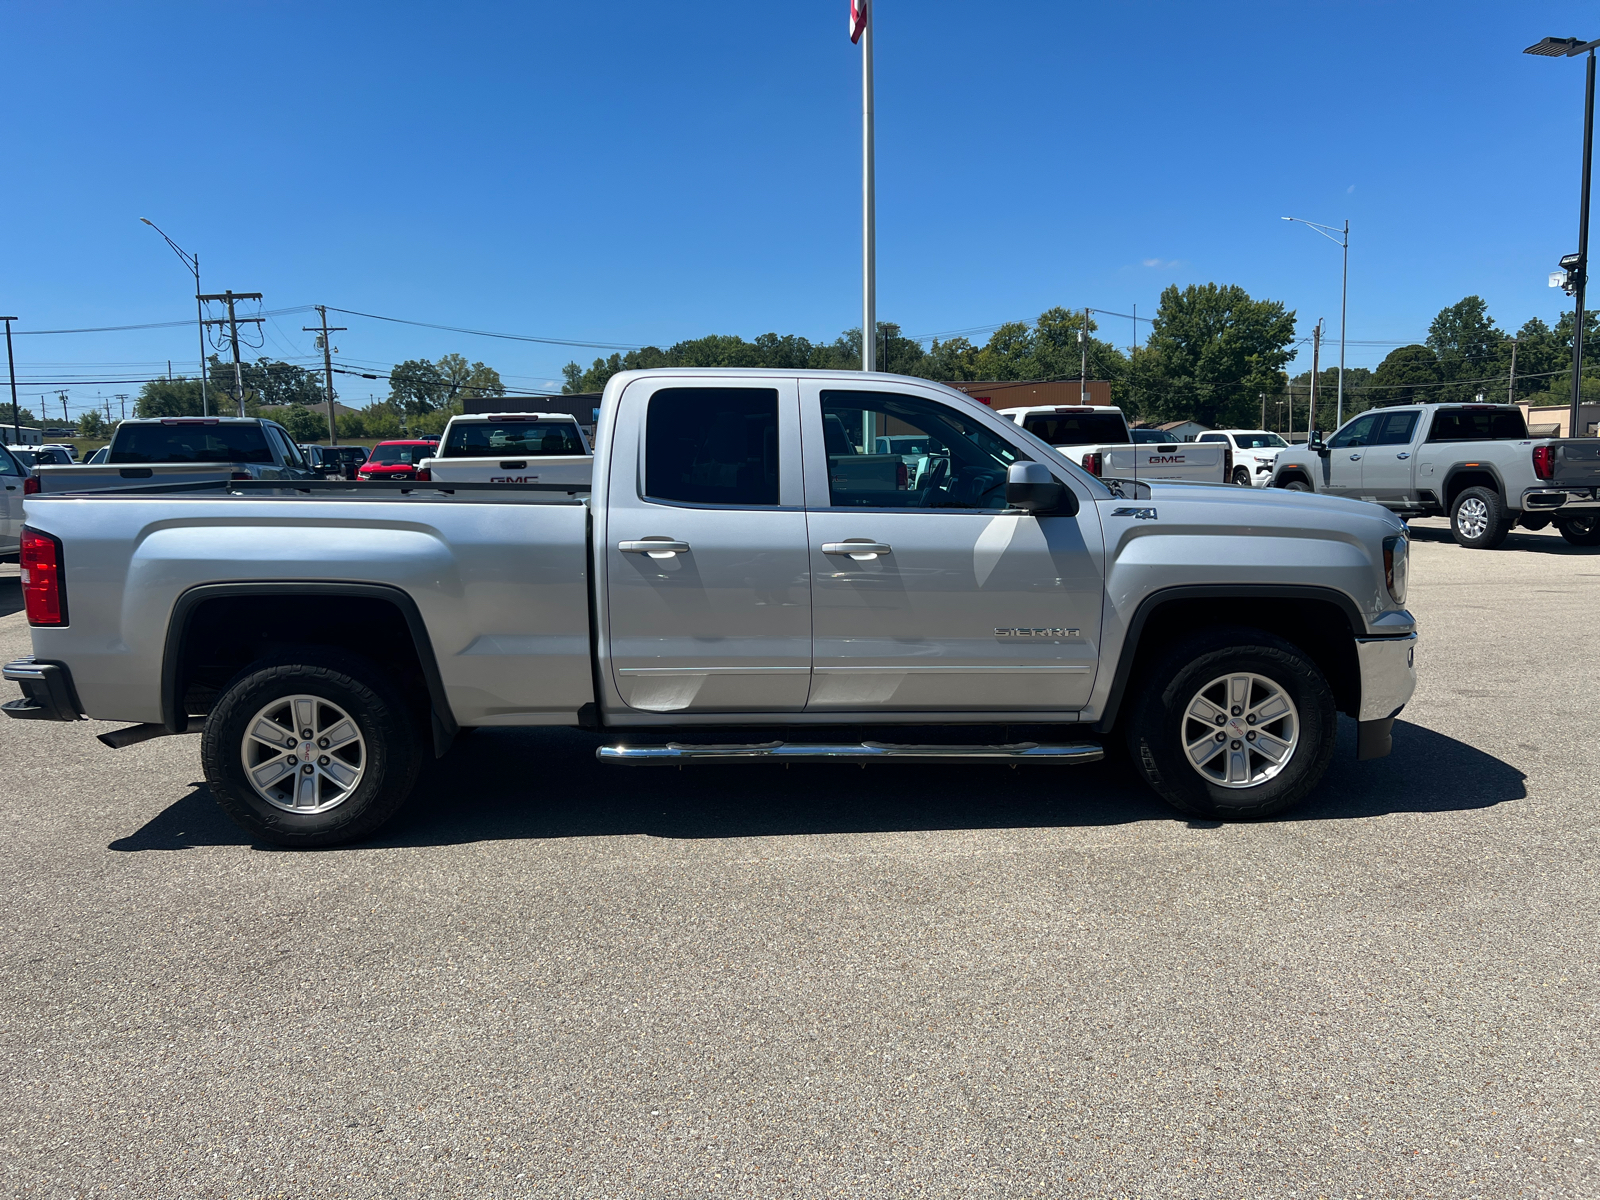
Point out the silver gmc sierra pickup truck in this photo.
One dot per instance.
(730, 591)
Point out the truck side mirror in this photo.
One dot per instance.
(1316, 445)
(1031, 488)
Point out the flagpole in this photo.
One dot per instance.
(869, 266)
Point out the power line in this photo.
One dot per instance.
(513, 337)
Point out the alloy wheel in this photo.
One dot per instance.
(1240, 730)
(1472, 517)
(303, 754)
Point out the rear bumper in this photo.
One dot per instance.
(47, 691)
(1549, 499)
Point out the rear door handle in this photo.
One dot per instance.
(654, 547)
(858, 548)
(1404, 454)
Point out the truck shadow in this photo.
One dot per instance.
(10, 594)
(1518, 539)
(538, 784)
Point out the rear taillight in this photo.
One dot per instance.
(240, 475)
(30, 486)
(1544, 462)
(426, 476)
(1091, 463)
(43, 593)
(1227, 461)
(902, 477)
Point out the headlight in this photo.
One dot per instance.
(1396, 565)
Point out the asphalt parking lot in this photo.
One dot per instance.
(551, 978)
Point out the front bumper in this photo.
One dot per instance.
(1557, 498)
(1388, 678)
(47, 691)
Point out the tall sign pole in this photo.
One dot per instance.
(861, 31)
(11, 365)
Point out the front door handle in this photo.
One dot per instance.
(1355, 458)
(654, 547)
(1404, 454)
(859, 549)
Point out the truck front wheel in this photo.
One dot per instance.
(1233, 724)
(1478, 519)
(310, 749)
(1580, 531)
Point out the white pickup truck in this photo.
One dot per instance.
(731, 590)
(1097, 438)
(512, 448)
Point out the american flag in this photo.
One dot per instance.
(858, 19)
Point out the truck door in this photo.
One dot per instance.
(704, 532)
(1347, 449)
(926, 597)
(1386, 463)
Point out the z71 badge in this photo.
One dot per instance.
(1138, 514)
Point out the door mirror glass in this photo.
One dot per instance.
(1031, 488)
(1315, 444)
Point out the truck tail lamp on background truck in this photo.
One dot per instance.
(1091, 464)
(1544, 461)
(43, 593)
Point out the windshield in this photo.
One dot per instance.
(1260, 441)
(491, 439)
(388, 456)
(26, 457)
(186, 442)
(1077, 429)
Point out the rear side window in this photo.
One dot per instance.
(712, 446)
(9, 465)
(1394, 429)
(496, 439)
(186, 443)
(1076, 429)
(1478, 425)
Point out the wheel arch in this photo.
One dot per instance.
(1322, 622)
(1460, 477)
(379, 620)
(1290, 474)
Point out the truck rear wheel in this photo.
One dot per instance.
(1241, 477)
(1478, 519)
(1297, 485)
(1580, 531)
(1233, 724)
(310, 749)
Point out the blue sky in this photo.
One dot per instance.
(630, 172)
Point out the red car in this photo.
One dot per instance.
(398, 459)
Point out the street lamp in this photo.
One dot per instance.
(1343, 241)
(192, 261)
(1577, 266)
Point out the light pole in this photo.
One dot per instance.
(1343, 241)
(861, 23)
(11, 365)
(1577, 265)
(192, 261)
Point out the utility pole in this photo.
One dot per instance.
(327, 363)
(1263, 410)
(1316, 362)
(123, 396)
(1511, 383)
(1083, 367)
(862, 20)
(232, 322)
(65, 419)
(11, 364)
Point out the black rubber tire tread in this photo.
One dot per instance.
(1500, 520)
(393, 734)
(1297, 485)
(1153, 729)
(1580, 531)
(1241, 477)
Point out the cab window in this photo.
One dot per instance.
(886, 450)
(1357, 433)
(712, 446)
(1394, 429)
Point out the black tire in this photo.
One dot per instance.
(1160, 716)
(1479, 528)
(1241, 477)
(1580, 531)
(390, 757)
(1297, 485)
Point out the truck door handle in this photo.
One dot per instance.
(1355, 458)
(654, 547)
(1404, 454)
(857, 548)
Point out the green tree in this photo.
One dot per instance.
(93, 425)
(418, 386)
(178, 397)
(305, 424)
(1470, 349)
(1212, 351)
(380, 420)
(1543, 362)
(1407, 375)
(351, 425)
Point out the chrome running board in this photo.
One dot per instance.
(678, 753)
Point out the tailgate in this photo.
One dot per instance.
(1194, 462)
(573, 469)
(1577, 462)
